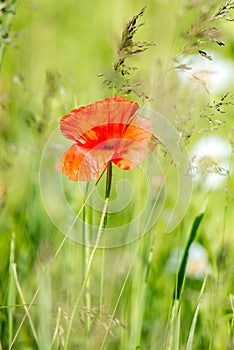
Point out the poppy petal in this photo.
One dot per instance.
(141, 123)
(124, 164)
(80, 164)
(133, 146)
(129, 154)
(116, 110)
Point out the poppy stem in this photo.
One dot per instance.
(108, 186)
(86, 277)
(102, 225)
(107, 196)
(108, 180)
(85, 258)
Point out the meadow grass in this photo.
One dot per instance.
(138, 292)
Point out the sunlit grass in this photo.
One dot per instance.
(56, 293)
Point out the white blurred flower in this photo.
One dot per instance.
(197, 264)
(211, 161)
(216, 74)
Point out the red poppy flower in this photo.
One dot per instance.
(104, 131)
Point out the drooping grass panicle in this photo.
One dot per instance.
(128, 47)
(224, 12)
(204, 30)
(215, 112)
(122, 82)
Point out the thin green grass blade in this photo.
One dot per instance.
(20, 292)
(231, 326)
(181, 274)
(173, 339)
(177, 329)
(56, 331)
(11, 299)
(194, 321)
(139, 297)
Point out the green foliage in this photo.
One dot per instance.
(50, 297)
(182, 270)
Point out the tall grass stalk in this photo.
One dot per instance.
(23, 319)
(173, 339)
(220, 265)
(139, 291)
(99, 234)
(85, 259)
(173, 335)
(56, 330)
(139, 304)
(102, 279)
(45, 312)
(11, 299)
(182, 271)
(87, 274)
(108, 328)
(189, 345)
(231, 298)
(24, 302)
(51, 263)
(107, 195)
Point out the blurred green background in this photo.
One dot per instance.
(52, 55)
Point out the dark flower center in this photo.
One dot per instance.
(108, 147)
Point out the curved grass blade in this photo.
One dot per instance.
(189, 345)
(181, 274)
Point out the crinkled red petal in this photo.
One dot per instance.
(129, 154)
(133, 146)
(81, 164)
(79, 121)
(104, 131)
